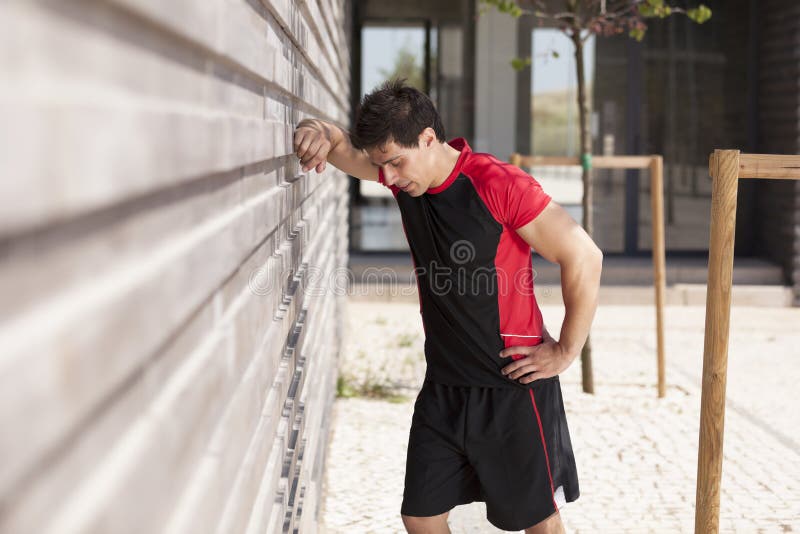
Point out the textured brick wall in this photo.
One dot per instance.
(168, 333)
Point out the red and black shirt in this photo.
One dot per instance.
(473, 270)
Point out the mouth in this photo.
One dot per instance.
(404, 187)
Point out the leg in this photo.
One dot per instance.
(519, 450)
(438, 473)
(436, 524)
(551, 525)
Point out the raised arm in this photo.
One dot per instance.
(317, 142)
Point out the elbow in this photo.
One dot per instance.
(588, 259)
(598, 255)
(594, 257)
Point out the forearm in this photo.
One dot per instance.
(339, 151)
(580, 287)
(342, 155)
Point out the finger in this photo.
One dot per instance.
(302, 150)
(522, 371)
(305, 124)
(300, 136)
(508, 351)
(512, 367)
(305, 144)
(320, 167)
(313, 163)
(320, 157)
(531, 377)
(298, 131)
(312, 152)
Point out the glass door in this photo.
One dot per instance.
(555, 125)
(387, 51)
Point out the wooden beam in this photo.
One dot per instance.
(598, 162)
(769, 166)
(621, 162)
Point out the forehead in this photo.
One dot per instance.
(387, 151)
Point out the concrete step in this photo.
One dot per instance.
(547, 294)
(757, 282)
(617, 270)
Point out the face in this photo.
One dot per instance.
(406, 168)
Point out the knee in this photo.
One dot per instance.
(551, 525)
(425, 525)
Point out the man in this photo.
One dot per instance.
(489, 422)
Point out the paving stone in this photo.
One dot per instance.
(636, 454)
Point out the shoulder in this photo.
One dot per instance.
(512, 195)
(488, 172)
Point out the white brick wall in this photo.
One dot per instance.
(168, 333)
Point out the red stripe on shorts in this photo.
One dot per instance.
(544, 445)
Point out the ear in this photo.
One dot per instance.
(427, 137)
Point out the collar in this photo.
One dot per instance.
(460, 144)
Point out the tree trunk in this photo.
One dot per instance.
(586, 163)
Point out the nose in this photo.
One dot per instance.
(389, 177)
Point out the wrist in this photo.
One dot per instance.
(334, 133)
(568, 353)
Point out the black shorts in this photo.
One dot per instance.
(507, 447)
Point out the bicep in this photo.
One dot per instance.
(555, 235)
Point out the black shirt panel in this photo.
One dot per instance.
(453, 239)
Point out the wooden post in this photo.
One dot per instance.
(659, 267)
(724, 170)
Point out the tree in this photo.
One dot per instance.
(406, 66)
(579, 20)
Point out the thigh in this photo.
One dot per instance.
(512, 443)
(438, 474)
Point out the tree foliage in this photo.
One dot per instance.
(406, 65)
(599, 17)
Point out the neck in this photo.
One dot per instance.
(445, 163)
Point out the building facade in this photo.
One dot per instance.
(682, 92)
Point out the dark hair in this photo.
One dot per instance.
(394, 112)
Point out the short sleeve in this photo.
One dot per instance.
(525, 200)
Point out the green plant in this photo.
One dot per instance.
(405, 340)
(344, 388)
(347, 388)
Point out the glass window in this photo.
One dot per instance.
(555, 126)
(555, 129)
(390, 52)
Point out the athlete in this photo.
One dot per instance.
(488, 422)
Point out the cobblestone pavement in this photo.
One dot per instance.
(636, 454)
